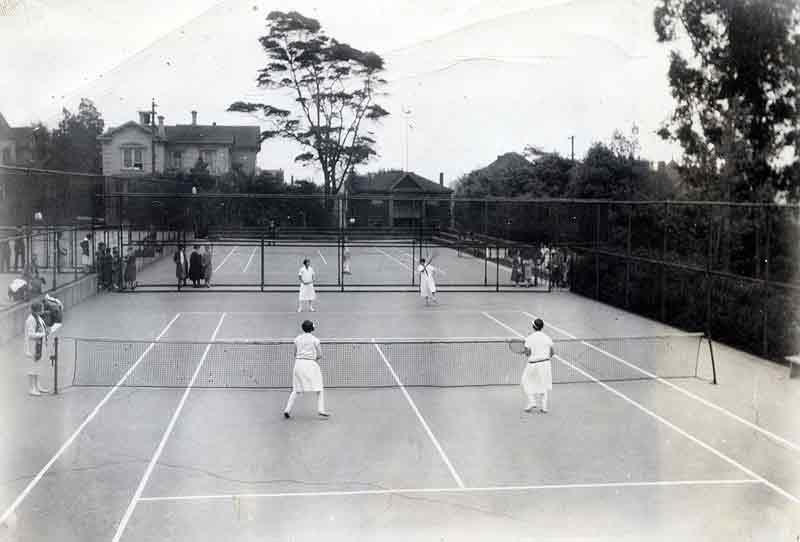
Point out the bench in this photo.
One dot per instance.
(794, 365)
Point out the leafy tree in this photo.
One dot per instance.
(73, 145)
(737, 95)
(335, 87)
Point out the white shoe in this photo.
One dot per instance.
(34, 392)
(313, 309)
(299, 310)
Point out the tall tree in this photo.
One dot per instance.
(334, 86)
(737, 94)
(74, 145)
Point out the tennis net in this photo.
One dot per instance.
(374, 363)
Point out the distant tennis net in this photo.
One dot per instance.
(363, 363)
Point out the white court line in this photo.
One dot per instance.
(323, 257)
(153, 460)
(666, 422)
(371, 339)
(225, 259)
(81, 427)
(249, 260)
(391, 257)
(438, 446)
(411, 257)
(454, 490)
(705, 402)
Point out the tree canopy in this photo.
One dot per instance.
(73, 146)
(334, 86)
(737, 94)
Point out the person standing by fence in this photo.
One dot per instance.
(35, 347)
(19, 251)
(5, 256)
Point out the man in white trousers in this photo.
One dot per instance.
(537, 378)
(307, 376)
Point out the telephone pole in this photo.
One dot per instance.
(572, 144)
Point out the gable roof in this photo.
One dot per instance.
(388, 182)
(242, 137)
(4, 127)
(130, 124)
(239, 137)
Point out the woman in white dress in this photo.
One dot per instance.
(427, 285)
(346, 259)
(35, 347)
(307, 293)
(537, 378)
(307, 376)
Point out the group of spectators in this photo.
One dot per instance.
(115, 272)
(197, 268)
(546, 263)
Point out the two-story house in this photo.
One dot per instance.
(128, 150)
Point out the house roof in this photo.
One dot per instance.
(388, 182)
(4, 127)
(239, 137)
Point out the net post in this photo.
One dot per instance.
(413, 260)
(54, 363)
(713, 363)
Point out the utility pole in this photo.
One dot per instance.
(153, 138)
(572, 144)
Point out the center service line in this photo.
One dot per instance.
(438, 446)
(153, 460)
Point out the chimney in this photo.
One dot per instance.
(161, 131)
(194, 118)
(441, 179)
(144, 118)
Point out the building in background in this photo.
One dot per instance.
(128, 149)
(390, 199)
(16, 145)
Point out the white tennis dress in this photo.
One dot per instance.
(307, 375)
(538, 377)
(427, 286)
(307, 292)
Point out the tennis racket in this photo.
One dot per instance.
(517, 346)
(431, 256)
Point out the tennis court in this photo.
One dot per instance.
(641, 447)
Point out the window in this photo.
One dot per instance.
(177, 160)
(6, 159)
(208, 158)
(133, 158)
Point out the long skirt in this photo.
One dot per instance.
(306, 376)
(307, 292)
(537, 377)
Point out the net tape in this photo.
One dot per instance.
(360, 362)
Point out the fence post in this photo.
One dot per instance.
(663, 273)
(709, 280)
(765, 283)
(54, 363)
(497, 268)
(628, 260)
(596, 254)
(262, 260)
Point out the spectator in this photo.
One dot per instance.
(208, 265)
(130, 269)
(36, 284)
(196, 266)
(19, 290)
(19, 251)
(116, 270)
(35, 345)
(5, 256)
(85, 257)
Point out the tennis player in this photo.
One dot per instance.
(427, 285)
(307, 293)
(346, 260)
(537, 378)
(307, 376)
(35, 347)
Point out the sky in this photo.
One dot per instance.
(480, 77)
